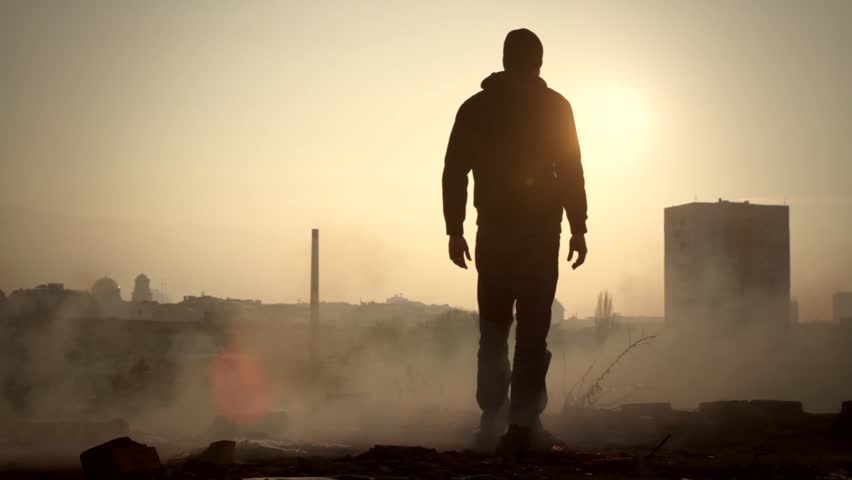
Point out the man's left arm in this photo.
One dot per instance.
(572, 184)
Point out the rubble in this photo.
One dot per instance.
(266, 451)
(396, 452)
(121, 458)
(220, 453)
(728, 439)
(273, 424)
(726, 410)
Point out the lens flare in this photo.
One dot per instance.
(238, 386)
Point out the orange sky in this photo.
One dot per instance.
(200, 142)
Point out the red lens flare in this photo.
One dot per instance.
(238, 386)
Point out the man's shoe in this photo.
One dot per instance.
(492, 425)
(544, 441)
(485, 440)
(519, 440)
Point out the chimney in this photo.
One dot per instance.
(314, 290)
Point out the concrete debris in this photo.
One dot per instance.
(779, 408)
(266, 451)
(219, 453)
(324, 449)
(274, 424)
(121, 458)
(389, 462)
(726, 410)
(396, 452)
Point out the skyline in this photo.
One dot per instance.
(200, 144)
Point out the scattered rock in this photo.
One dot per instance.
(781, 408)
(266, 451)
(397, 452)
(274, 424)
(323, 449)
(121, 458)
(725, 408)
(296, 478)
(218, 453)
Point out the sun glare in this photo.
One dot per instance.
(617, 120)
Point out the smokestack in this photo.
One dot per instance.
(314, 290)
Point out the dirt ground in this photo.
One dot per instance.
(397, 462)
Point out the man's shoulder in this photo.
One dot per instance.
(557, 98)
(473, 106)
(475, 100)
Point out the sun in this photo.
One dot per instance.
(616, 119)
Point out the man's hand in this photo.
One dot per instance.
(577, 244)
(459, 250)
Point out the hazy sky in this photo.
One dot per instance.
(200, 141)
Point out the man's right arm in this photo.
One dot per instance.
(457, 164)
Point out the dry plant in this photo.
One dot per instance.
(592, 394)
(579, 383)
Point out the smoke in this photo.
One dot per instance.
(383, 373)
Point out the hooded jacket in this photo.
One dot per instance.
(519, 138)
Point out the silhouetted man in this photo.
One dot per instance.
(519, 139)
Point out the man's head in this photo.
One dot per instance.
(522, 52)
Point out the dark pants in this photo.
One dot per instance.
(521, 272)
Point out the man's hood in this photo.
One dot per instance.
(509, 80)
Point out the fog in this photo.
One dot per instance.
(200, 143)
(405, 377)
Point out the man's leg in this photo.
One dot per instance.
(536, 278)
(496, 300)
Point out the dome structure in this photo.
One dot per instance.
(106, 291)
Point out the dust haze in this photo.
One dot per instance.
(200, 144)
(396, 371)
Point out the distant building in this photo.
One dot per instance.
(727, 263)
(209, 308)
(794, 311)
(399, 299)
(142, 289)
(50, 299)
(107, 295)
(841, 303)
(106, 289)
(557, 312)
(160, 296)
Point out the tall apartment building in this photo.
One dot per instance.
(727, 264)
(841, 303)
